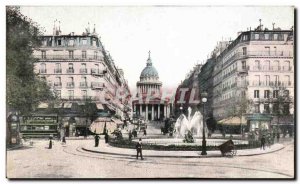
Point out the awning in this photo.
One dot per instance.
(68, 105)
(233, 121)
(101, 123)
(43, 105)
(118, 121)
(99, 106)
(58, 105)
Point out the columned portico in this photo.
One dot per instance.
(151, 107)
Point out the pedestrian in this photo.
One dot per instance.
(130, 135)
(64, 140)
(97, 140)
(139, 149)
(50, 142)
(263, 142)
(106, 137)
(145, 132)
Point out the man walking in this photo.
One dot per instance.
(139, 149)
(97, 140)
(263, 142)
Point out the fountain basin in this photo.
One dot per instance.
(198, 142)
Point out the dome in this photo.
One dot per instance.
(149, 70)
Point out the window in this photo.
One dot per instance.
(266, 108)
(287, 66)
(243, 65)
(59, 42)
(256, 36)
(267, 77)
(280, 37)
(71, 94)
(256, 108)
(276, 65)
(57, 68)
(43, 54)
(95, 55)
(268, 51)
(267, 65)
(267, 36)
(267, 94)
(275, 36)
(276, 80)
(84, 41)
(94, 42)
(287, 80)
(71, 42)
(58, 81)
(257, 65)
(275, 93)
(70, 68)
(84, 54)
(244, 51)
(43, 68)
(71, 54)
(256, 93)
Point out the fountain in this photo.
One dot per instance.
(193, 124)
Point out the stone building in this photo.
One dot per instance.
(149, 103)
(256, 65)
(77, 67)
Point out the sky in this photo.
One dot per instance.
(179, 37)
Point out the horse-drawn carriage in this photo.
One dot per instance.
(227, 148)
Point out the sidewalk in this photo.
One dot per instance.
(109, 150)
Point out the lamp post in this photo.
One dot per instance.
(181, 109)
(204, 100)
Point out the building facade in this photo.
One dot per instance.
(148, 102)
(256, 66)
(77, 67)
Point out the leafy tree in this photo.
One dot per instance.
(25, 90)
(238, 107)
(89, 110)
(211, 123)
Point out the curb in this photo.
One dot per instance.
(184, 156)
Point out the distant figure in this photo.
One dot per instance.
(50, 142)
(145, 132)
(97, 140)
(263, 142)
(139, 149)
(106, 137)
(130, 135)
(64, 140)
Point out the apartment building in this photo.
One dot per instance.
(257, 65)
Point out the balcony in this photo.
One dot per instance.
(68, 57)
(95, 71)
(97, 85)
(83, 84)
(70, 70)
(41, 71)
(243, 69)
(70, 85)
(57, 84)
(57, 70)
(83, 70)
(239, 55)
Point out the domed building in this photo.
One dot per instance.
(148, 102)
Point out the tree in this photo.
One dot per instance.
(238, 107)
(211, 123)
(25, 90)
(282, 102)
(89, 110)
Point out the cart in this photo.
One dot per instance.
(227, 148)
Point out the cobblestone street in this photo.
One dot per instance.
(70, 161)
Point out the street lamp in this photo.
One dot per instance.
(204, 100)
